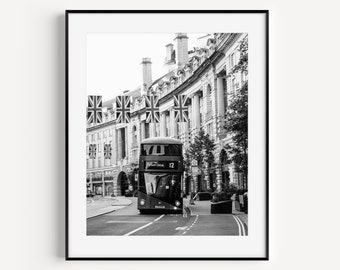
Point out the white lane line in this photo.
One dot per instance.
(146, 225)
(158, 218)
(242, 226)
(181, 228)
(125, 221)
(238, 225)
(188, 229)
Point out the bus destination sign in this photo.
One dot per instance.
(156, 165)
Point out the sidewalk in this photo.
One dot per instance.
(104, 205)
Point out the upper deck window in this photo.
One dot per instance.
(161, 150)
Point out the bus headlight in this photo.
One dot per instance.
(142, 202)
(177, 203)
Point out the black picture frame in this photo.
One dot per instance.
(72, 258)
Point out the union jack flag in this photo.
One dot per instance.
(107, 151)
(152, 109)
(123, 104)
(181, 108)
(92, 151)
(94, 109)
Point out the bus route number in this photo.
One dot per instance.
(170, 165)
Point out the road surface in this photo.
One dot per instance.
(128, 222)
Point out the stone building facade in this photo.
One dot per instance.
(203, 76)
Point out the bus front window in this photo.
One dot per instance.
(162, 185)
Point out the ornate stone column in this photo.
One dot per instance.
(173, 124)
(163, 124)
(142, 130)
(196, 112)
(152, 129)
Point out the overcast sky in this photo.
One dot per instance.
(113, 60)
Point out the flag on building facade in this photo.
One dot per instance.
(107, 151)
(181, 108)
(152, 109)
(123, 105)
(92, 151)
(94, 109)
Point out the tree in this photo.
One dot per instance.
(202, 151)
(237, 117)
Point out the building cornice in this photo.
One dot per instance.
(216, 56)
(102, 125)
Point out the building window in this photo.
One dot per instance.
(209, 129)
(232, 60)
(123, 142)
(87, 138)
(167, 127)
(110, 132)
(233, 85)
(92, 137)
(225, 94)
(209, 102)
(134, 135)
(98, 135)
(147, 130)
(201, 109)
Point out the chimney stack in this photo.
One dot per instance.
(181, 40)
(147, 75)
(169, 51)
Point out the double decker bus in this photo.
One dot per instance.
(160, 176)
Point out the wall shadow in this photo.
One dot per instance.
(59, 186)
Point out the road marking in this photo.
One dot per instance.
(188, 229)
(242, 226)
(181, 228)
(238, 225)
(125, 221)
(158, 218)
(146, 225)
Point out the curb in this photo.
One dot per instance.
(101, 214)
(113, 210)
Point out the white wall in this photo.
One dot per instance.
(304, 130)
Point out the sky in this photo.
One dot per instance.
(113, 60)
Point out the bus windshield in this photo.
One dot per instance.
(162, 185)
(161, 150)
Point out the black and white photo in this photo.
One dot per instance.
(166, 120)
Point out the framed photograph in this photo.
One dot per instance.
(166, 149)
